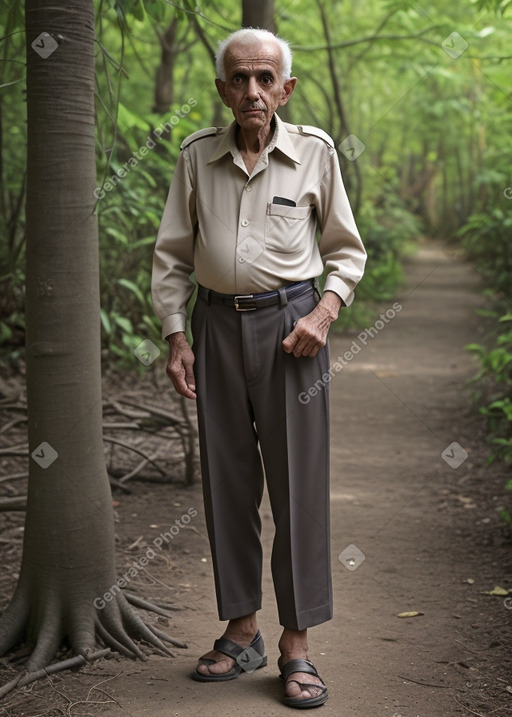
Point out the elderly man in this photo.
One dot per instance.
(242, 213)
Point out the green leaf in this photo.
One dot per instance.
(124, 324)
(156, 9)
(105, 321)
(133, 288)
(120, 236)
(5, 332)
(125, 8)
(128, 119)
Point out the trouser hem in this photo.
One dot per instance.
(232, 612)
(307, 618)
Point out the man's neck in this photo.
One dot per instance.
(253, 143)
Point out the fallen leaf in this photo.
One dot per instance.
(411, 613)
(497, 591)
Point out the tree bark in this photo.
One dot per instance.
(357, 185)
(68, 551)
(164, 80)
(258, 14)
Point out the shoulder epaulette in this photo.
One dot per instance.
(207, 132)
(316, 132)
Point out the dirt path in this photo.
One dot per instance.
(428, 532)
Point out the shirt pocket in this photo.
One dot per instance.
(287, 229)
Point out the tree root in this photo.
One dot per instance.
(91, 631)
(16, 502)
(152, 607)
(164, 636)
(28, 677)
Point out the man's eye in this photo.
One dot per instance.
(267, 79)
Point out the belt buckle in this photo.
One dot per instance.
(238, 307)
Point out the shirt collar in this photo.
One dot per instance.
(281, 141)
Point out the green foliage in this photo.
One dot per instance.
(128, 217)
(486, 238)
(389, 232)
(499, 6)
(435, 131)
(495, 380)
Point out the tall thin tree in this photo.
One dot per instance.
(68, 551)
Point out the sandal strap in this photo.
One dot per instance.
(309, 685)
(234, 650)
(298, 665)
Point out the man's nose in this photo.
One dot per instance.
(253, 89)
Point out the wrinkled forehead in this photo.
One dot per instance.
(255, 53)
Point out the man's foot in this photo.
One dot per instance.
(240, 633)
(303, 689)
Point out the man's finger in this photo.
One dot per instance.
(290, 341)
(182, 381)
(190, 379)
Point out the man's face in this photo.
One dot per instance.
(254, 87)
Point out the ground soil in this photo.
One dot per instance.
(426, 529)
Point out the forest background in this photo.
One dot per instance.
(416, 97)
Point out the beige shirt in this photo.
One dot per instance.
(227, 226)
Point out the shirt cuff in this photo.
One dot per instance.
(173, 323)
(334, 283)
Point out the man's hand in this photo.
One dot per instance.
(180, 365)
(310, 332)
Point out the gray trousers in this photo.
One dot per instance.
(251, 424)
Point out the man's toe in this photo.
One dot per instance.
(214, 664)
(296, 686)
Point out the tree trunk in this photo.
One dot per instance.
(354, 185)
(258, 14)
(164, 80)
(68, 550)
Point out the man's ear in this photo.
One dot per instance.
(288, 88)
(221, 89)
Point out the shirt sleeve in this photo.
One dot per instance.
(173, 259)
(341, 248)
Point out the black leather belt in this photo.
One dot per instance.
(251, 302)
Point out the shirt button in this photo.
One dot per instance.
(241, 260)
(248, 188)
(245, 222)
